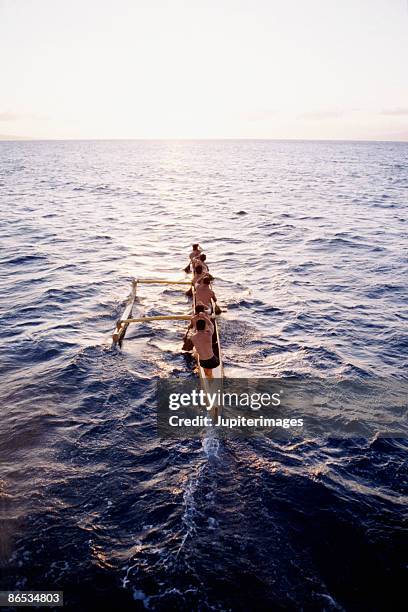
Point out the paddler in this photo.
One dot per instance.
(198, 274)
(206, 295)
(200, 261)
(194, 253)
(202, 341)
(200, 312)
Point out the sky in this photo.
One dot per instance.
(303, 69)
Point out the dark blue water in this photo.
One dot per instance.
(314, 282)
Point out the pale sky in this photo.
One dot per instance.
(316, 69)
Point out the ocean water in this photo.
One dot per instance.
(308, 243)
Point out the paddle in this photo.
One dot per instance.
(187, 344)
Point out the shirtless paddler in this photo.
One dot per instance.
(202, 340)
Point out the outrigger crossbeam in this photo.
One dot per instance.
(159, 281)
(181, 317)
(122, 324)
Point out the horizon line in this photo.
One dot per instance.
(6, 138)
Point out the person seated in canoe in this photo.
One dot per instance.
(198, 274)
(200, 261)
(204, 293)
(194, 253)
(202, 341)
(200, 312)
